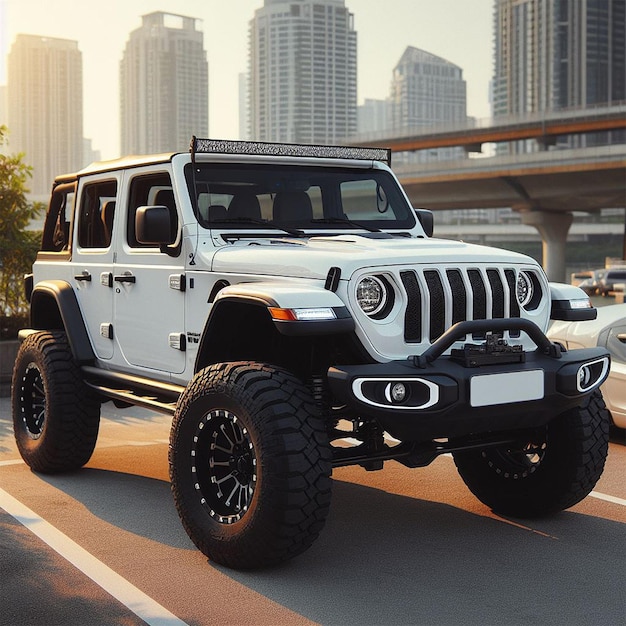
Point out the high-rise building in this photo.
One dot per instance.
(45, 106)
(302, 69)
(244, 103)
(427, 91)
(373, 116)
(3, 105)
(164, 85)
(557, 54)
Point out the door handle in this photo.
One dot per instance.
(85, 276)
(124, 278)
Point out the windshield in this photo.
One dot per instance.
(289, 197)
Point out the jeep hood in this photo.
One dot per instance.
(312, 258)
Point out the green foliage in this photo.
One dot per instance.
(18, 246)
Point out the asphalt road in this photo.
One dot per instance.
(104, 546)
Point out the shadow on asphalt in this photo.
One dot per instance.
(137, 504)
(39, 588)
(389, 559)
(6, 427)
(392, 559)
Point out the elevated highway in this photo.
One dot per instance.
(472, 134)
(545, 186)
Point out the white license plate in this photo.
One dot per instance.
(505, 388)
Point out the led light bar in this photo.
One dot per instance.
(218, 146)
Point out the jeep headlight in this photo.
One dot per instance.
(524, 289)
(372, 294)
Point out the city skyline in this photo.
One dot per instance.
(462, 35)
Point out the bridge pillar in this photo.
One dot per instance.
(553, 228)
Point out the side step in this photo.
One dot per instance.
(135, 390)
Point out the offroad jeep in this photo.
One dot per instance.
(293, 313)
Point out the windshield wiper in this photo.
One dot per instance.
(344, 220)
(251, 220)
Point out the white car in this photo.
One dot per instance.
(609, 331)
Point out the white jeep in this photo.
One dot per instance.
(291, 310)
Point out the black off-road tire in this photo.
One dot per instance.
(250, 464)
(553, 469)
(55, 415)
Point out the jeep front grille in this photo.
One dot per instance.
(439, 298)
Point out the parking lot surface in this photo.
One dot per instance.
(104, 546)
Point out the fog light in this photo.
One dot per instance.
(396, 392)
(592, 374)
(584, 376)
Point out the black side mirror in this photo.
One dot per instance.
(427, 220)
(153, 225)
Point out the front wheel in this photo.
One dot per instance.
(250, 464)
(551, 469)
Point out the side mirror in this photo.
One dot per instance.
(427, 220)
(570, 304)
(153, 225)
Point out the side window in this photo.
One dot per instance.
(57, 230)
(97, 209)
(150, 190)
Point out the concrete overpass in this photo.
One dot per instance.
(545, 186)
(473, 133)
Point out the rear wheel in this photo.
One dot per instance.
(250, 465)
(55, 415)
(551, 469)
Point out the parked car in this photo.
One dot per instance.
(607, 330)
(590, 285)
(611, 278)
(578, 277)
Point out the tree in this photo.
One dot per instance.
(18, 246)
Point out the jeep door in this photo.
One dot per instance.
(92, 261)
(149, 297)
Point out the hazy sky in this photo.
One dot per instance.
(457, 30)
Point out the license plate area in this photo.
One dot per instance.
(506, 388)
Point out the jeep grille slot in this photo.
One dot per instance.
(413, 313)
(513, 305)
(459, 302)
(437, 304)
(497, 294)
(480, 295)
(437, 299)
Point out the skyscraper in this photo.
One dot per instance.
(426, 91)
(164, 88)
(45, 106)
(302, 69)
(557, 54)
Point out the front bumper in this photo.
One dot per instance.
(494, 389)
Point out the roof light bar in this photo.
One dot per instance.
(218, 146)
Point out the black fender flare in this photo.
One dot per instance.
(62, 293)
(261, 304)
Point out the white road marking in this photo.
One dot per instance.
(604, 496)
(134, 599)
(12, 462)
